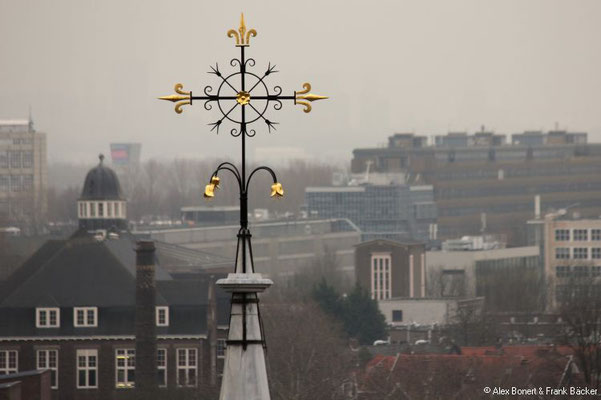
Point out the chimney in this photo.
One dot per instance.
(146, 343)
(537, 206)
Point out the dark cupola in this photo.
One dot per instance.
(101, 204)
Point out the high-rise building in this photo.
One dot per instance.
(23, 174)
(484, 185)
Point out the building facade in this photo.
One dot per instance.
(23, 175)
(484, 185)
(394, 211)
(280, 249)
(571, 252)
(72, 308)
(388, 269)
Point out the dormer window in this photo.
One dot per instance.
(85, 317)
(162, 316)
(47, 317)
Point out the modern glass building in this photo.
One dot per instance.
(396, 212)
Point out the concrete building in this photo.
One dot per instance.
(23, 175)
(570, 249)
(508, 279)
(389, 211)
(280, 249)
(480, 175)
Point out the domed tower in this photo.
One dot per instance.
(101, 205)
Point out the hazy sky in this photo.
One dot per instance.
(91, 70)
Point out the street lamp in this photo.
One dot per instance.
(244, 375)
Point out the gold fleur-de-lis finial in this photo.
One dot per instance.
(305, 95)
(242, 35)
(184, 97)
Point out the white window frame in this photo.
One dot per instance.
(5, 362)
(46, 364)
(595, 234)
(46, 312)
(183, 363)
(125, 361)
(380, 275)
(562, 253)
(595, 253)
(86, 311)
(580, 235)
(87, 354)
(221, 348)
(158, 311)
(562, 235)
(162, 365)
(579, 252)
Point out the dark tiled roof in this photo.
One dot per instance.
(83, 272)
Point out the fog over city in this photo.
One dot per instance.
(429, 229)
(91, 71)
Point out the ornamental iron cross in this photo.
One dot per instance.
(248, 91)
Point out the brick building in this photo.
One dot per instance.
(71, 308)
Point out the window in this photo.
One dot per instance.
(15, 159)
(16, 183)
(47, 317)
(596, 270)
(4, 183)
(186, 367)
(162, 367)
(221, 346)
(125, 368)
(562, 271)
(596, 253)
(27, 182)
(380, 276)
(27, 159)
(580, 271)
(48, 359)
(85, 316)
(9, 363)
(109, 209)
(397, 315)
(87, 369)
(580, 234)
(562, 253)
(92, 209)
(117, 210)
(162, 316)
(562, 235)
(581, 253)
(595, 234)
(101, 209)
(3, 159)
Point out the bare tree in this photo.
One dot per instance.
(580, 308)
(308, 359)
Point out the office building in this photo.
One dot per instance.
(571, 252)
(483, 184)
(23, 175)
(393, 211)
